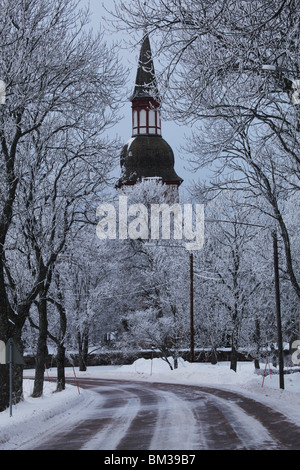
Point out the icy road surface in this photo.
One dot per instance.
(154, 416)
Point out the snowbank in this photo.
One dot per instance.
(34, 417)
(37, 416)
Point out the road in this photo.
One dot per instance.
(156, 416)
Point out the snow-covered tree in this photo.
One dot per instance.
(231, 70)
(230, 275)
(62, 88)
(147, 279)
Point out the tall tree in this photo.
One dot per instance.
(245, 118)
(233, 275)
(62, 88)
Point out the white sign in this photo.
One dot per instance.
(2, 353)
(296, 354)
(296, 94)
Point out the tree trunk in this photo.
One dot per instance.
(4, 387)
(175, 357)
(233, 358)
(6, 332)
(17, 375)
(278, 313)
(213, 356)
(83, 341)
(61, 382)
(257, 340)
(165, 358)
(42, 351)
(61, 350)
(4, 336)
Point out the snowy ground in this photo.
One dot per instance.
(34, 417)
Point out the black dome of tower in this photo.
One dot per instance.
(147, 157)
(146, 154)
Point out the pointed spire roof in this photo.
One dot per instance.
(145, 83)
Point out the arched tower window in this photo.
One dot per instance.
(145, 119)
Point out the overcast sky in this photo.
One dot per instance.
(172, 133)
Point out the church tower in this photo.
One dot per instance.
(147, 155)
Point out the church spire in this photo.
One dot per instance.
(145, 83)
(147, 155)
(145, 101)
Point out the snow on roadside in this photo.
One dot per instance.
(34, 417)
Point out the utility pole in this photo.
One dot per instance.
(278, 311)
(192, 354)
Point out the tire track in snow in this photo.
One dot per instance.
(116, 421)
(175, 428)
(222, 421)
(139, 434)
(101, 427)
(246, 432)
(285, 434)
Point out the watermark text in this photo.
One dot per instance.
(155, 222)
